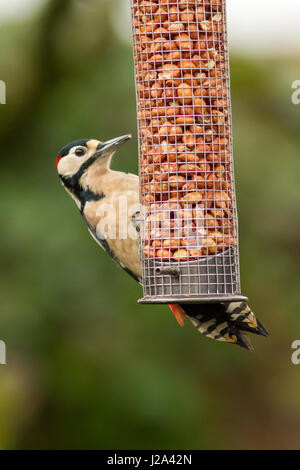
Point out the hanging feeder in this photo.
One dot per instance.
(189, 235)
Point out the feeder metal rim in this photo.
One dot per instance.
(190, 299)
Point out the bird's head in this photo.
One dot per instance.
(82, 163)
(77, 157)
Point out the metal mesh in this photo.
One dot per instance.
(189, 233)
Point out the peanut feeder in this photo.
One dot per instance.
(189, 236)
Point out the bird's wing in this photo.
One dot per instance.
(106, 247)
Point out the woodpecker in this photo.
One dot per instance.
(83, 167)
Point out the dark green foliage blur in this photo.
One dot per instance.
(86, 366)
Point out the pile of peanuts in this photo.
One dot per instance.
(184, 119)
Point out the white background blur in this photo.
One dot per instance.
(255, 26)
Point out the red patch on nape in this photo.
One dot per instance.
(58, 159)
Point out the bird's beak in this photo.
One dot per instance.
(111, 146)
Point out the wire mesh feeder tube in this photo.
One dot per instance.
(189, 236)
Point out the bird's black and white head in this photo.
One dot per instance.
(81, 164)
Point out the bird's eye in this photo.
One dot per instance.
(80, 152)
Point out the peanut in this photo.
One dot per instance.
(180, 255)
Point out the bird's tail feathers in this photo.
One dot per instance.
(225, 322)
(244, 319)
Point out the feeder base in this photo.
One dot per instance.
(209, 280)
(193, 300)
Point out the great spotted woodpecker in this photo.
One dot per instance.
(84, 169)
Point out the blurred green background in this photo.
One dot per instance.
(86, 366)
